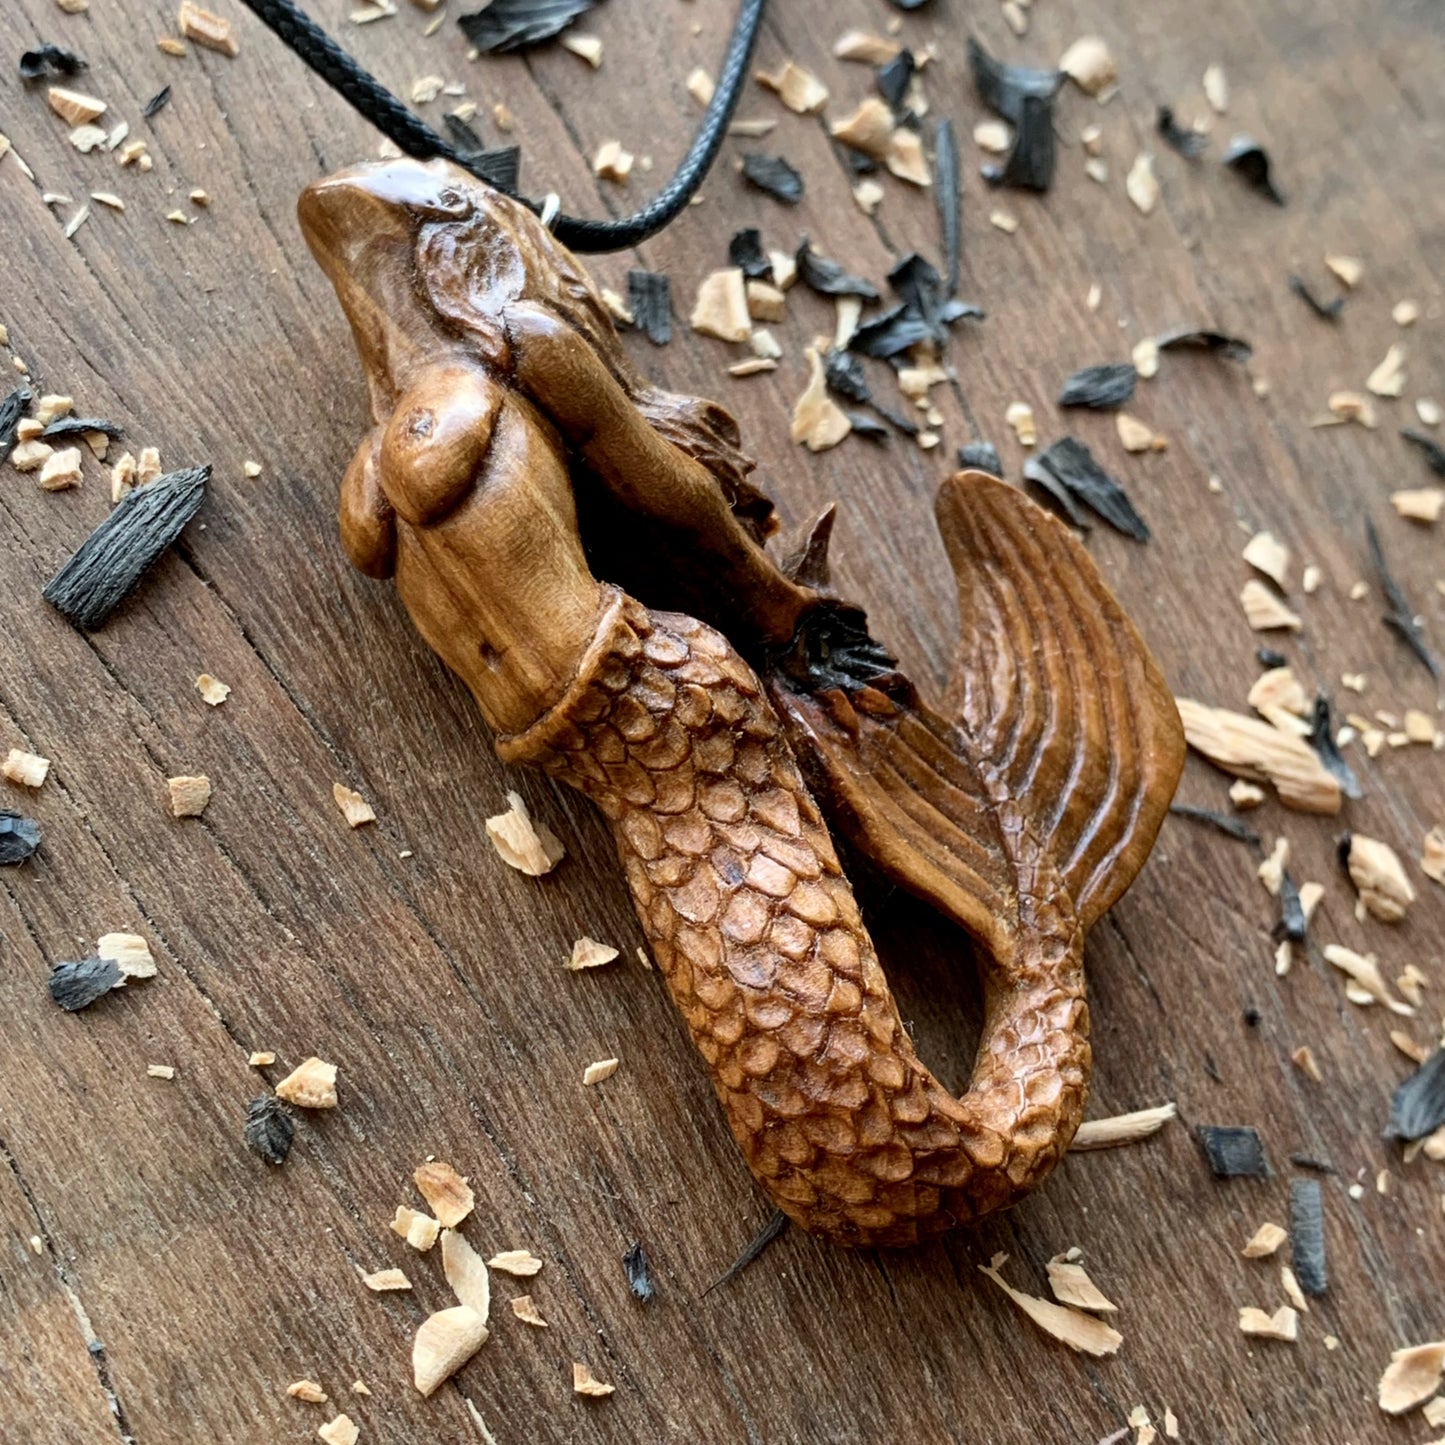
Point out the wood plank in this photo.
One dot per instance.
(434, 979)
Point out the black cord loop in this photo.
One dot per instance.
(371, 99)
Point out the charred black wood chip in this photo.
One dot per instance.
(639, 1273)
(1189, 142)
(907, 5)
(500, 167)
(1223, 821)
(746, 252)
(1434, 452)
(50, 60)
(269, 1128)
(649, 298)
(982, 456)
(843, 375)
(825, 276)
(1307, 1236)
(1270, 657)
(869, 427)
(515, 24)
(1067, 470)
(112, 560)
(1105, 386)
(1250, 162)
(19, 837)
(74, 426)
(948, 194)
(1202, 339)
(1322, 740)
(1234, 1151)
(1003, 87)
(890, 333)
(1325, 310)
(1030, 164)
(1401, 616)
(779, 1221)
(893, 79)
(896, 419)
(1417, 1107)
(774, 175)
(157, 103)
(1308, 1161)
(1292, 924)
(12, 410)
(75, 986)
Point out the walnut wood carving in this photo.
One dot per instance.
(516, 455)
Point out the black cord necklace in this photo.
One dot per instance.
(370, 98)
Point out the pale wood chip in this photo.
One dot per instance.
(307, 1390)
(1434, 1413)
(1419, 504)
(1279, 689)
(449, 1195)
(444, 1343)
(993, 136)
(868, 129)
(1264, 611)
(520, 1262)
(61, 470)
(1141, 185)
(584, 1382)
(207, 29)
(74, 107)
(603, 1069)
(866, 48)
(343, 1430)
(212, 690)
(1216, 88)
(189, 795)
(1303, 1059)
(588, 953)
(527, 1312)
(1419, 725)
(1134, 434)
(1430, 412)
(1405, 313)
(383, 1281)
(1085, 1333)
(1146, 358)
(1261, 753)
(1283, 1324)
(1265, 1241)
(31, 455)
(721, 308)
(160, 1071)
(1003, 220)
(801, 91)
(1292, 1290)
(1388, 378)
(905, 158)
(1267, 554)
(1347, 270)
(586, 47)
(1432, 857)
(1411, 1377)
(753, 129)
(1363, 970)
(354, 808)
(1020, 416)
(700, 86)
(1089, 63)
(1271, 871)
(418, 1229)
(1072, 1286)
(612, 162)
(1379, 876)
(764, 302)
(818, 421)
(310, 1085)
(129, 952)
(466, 1273)
(1245, 795)
(358, 1387)
(262, 1059)
(530, 848)
(1123, 1128)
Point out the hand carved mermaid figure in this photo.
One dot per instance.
(516, 455)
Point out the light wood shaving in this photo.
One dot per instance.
(61, 470)
(160, 1071)
(31, 455)
(1303, 1059)
(1261, 753)
(1352, 406)
(1292, 1290)
(1122, 1129)
(700, 86)
(1072, 1286)
(1419, 504)
(207, 29)
(905, 158)
(310, 1085)
(1090, 65)
(586, 47)
(189, 795)
(212, 690)
(1085, 1333)
(354, 808)
(595, 1073)
(612, 162)
(1283, 1324)
(418, 1229)
(1264, 611)
(448, 1194)
(1265, 1241)
(1141, 185)
(1003, 220)
(1379, 876)
(721, 308)
(802, 92)
(1347, 270)
(262, 1059)
(1216, 88)
(74, 107)
(993, 136)
(866, 48)
(444, 1343)
(1432, 856)
(765, 303)
(1271, 871)
(818, 421)
(1411, 1377)
(307, 1390)
(1388, 378)
(530, 848)
(584, 1382)
(1364, 971)
(1267, 554)
(466, 1273)
(868, 129)
(868, 195)
(129, 952)
(343, 1430)
(520, 1262)
(384, 1281)
(1279, 688)
(1245, 795)
(527, 1312)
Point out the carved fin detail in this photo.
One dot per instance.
(1066, 711)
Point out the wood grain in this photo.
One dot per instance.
(435, 980)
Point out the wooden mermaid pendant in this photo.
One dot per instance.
(708, 700)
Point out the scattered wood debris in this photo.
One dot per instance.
(1419, 504)
(1264, 611)
(1137, 436)
(29, 770)
(721, 308)
(1432, 857)
(307, 1390)
(1069, 474)
(526, 1311)
(1085, 1333)
(207, 29)
(1090, 65)
(342, 1430)
(466, 1273)
(585, 47)
(261, 1059)
(802, 92)
(1388, 378)
(1141, 185)
(612, 162)
(1283, 1324)
(444, 1343)
(1265, 1241)
(866, 48)
(700, 86)
(212, 690)
(1072, 1286)
(384, 1281)
(530, 848)
(74, 107)
(61, 470)
(354, 808)
(1411, 1377)
(448, 1194)
(595, 1073)
(818, 421)
(1261, 753)
(1267, 554)
(1122, 1129)
(310, 1085)
(1379, 877)
(189, 794)
(584, 1382)
(1303, 1058)
(418, 1229)
(1366, 984)
(520, 1262)
(129, 952)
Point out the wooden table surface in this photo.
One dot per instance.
(181, 1282)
